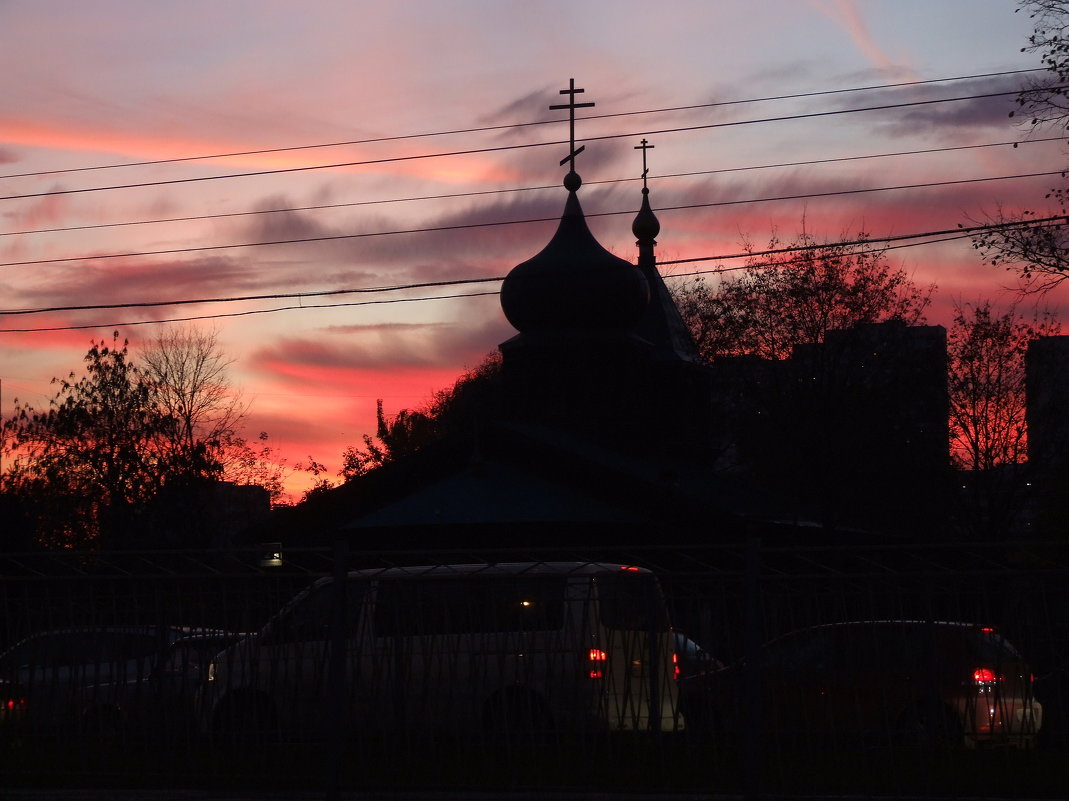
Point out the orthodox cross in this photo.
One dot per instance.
(571, 105)
(644, 147)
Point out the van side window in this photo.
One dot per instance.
(632, 602)
(461, 605)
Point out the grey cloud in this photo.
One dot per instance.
(985, 103)
(520, 109)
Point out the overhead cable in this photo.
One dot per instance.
(472, 226)
(891, 242)
(510, 126)
(500, 148)
(479, 193)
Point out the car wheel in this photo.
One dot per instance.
(102, 724)
(933, 725)
(246, 720)
(518, 716)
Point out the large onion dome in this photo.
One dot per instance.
(573, 282)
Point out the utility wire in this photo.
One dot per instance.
(472, 226)
(500, 148)
(955, 233)
(455, 195)
(490, 128)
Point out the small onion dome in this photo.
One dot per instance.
(646, 225)
(574, 283)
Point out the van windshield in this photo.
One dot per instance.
(990, 647)
(632, 601)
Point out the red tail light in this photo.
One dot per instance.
(11, 704)
(597, 663)
(985, 676)
(675, 666)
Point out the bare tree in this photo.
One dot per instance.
(986, 357)
(1044, 101)
(1036, 245)
(986, 353)
(189, 374)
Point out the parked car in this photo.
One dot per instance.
(891, 681)
(12, 711)
(83, 679)
(456, 649)
(1052, 690)
(690, 658)
(163, 704)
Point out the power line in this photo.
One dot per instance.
(892, 242)
(247, 313)
(456, 195)
(959, 232)
(472, 226)
(490, 128)
(247, 298)
(500, 148)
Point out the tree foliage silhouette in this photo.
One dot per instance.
(458, 411)
(92, 458)
(118, 457)
(795, 299)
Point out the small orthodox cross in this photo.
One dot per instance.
(645, 171)
(571, 105)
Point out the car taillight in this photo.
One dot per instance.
(675, 666)
(982, 676)
(597, 663)
(11, 704)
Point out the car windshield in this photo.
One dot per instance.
(988, 646)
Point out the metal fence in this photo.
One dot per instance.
(143, 721)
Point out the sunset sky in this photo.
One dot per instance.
(379, 145)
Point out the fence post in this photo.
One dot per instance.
(752, 722)
(338, 712)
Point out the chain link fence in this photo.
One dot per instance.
(120, 695)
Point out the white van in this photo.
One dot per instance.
(456, 649)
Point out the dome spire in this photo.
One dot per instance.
(646, 225)
(661, 322)
(572, 177)
(573, 283)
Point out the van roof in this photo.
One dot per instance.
(500, 569)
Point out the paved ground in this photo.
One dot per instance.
(211, 795)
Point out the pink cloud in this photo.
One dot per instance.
(847, 14)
